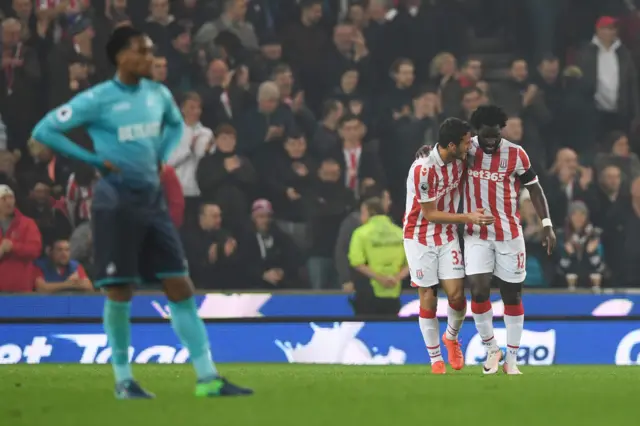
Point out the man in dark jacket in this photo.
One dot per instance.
(328, 204)
(227, 179)
(269, 258)
(288, 181)
(211, 251)
(611, 75)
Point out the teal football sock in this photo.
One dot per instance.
(192, 333)
(118, 328)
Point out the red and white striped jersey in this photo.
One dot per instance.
(493, 184)
(430, 179)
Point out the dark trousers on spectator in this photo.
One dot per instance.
(191, 210)
(364, 302)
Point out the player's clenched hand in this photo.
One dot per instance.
(479, 218)
(548, 239)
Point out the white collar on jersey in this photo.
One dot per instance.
(436, 154)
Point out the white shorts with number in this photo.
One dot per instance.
(430, 264)
(505, 259)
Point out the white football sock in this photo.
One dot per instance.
(431, 334)
(484, 324)
(514, 325)
(454, 322)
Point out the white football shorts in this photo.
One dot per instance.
(507, 260)
(430, 264)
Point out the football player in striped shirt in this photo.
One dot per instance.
(496, 170)
(431, 238)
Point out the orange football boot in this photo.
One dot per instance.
(454, 352)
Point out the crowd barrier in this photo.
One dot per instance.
(252, 305)
(544, 342)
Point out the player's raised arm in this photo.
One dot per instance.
(173, 126)
(50, 131)
(529, 178)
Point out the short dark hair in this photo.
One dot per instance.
(120, 39)
(205, 204)
(452, 131)
(329, 106)
(191, 96)
(395, 67)
(38, 178)
(549, 57)
(471, 59)
(84, 174)
(374, 206)
(225, 129)
(306, 4)
(472, 89)
(348, 117)
(280, 69)
(488, 115)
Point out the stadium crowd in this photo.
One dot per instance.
(298, 111)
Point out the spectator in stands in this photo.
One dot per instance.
(396, 102)
(304, 118)
(349, 51)
(520, 97)
(159, 70)
(547, 79)
(270, 57)
(471, 98)
(20, 245)
(629, 266)
(181, 69)
(444, 75)
(619, 154)
(288, 184)
(377, 256)
(20, 105)
(326, 139)
(51, 220)
(197, 141)
(360, 165)
(305, 46)
(579, 120)
(348, 225)
(470, 73)
(329, 203)
(158, 24)
(269, 258)
(611, 75)
(227, 178)
(211, 251)
(581, 256)
(566, 182)
(266, 126)
(233, 20)
(59, 272)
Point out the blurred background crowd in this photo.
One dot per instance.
(298, 111)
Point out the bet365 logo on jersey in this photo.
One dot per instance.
(536, 347)
(487, 175)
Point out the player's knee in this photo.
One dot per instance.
(457, 300)
(480, 287)
(511, 293)
(428, 299)
(119, 293)
(178, 289)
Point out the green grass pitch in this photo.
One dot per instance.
(309, 395)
